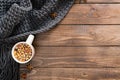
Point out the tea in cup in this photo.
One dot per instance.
(23, 52)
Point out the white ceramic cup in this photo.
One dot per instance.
(29, 42)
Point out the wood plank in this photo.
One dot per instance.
(103, 1)
(93, 14)
(74, 74)
(80, 1)
(97, 1)
(80, 57)
(77, 1)
(80, 35)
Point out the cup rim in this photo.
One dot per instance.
(33, 52)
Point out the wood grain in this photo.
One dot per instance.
(98, 1)
(74, 74)
(72, 51)
(80, 57)
(93, 14)
(80, 35)
(103, 1)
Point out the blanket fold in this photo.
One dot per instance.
(13, 17)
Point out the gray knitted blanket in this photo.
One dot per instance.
(18, 19)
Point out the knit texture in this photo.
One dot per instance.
(18, 19)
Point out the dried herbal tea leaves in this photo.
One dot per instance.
(23, 75)
(29, 67)
(22, 52)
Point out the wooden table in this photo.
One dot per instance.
(84, 46)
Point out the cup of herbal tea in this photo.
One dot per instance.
(23, 52)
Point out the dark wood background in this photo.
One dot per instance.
(84, 46)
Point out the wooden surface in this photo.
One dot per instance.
(93, 14)
(74, 74)
(83, 46)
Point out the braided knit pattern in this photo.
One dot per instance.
(12, 18)
(18, 19)
(9, 69)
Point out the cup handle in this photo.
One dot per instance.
(30, 39)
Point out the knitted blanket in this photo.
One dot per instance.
(18, 19)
